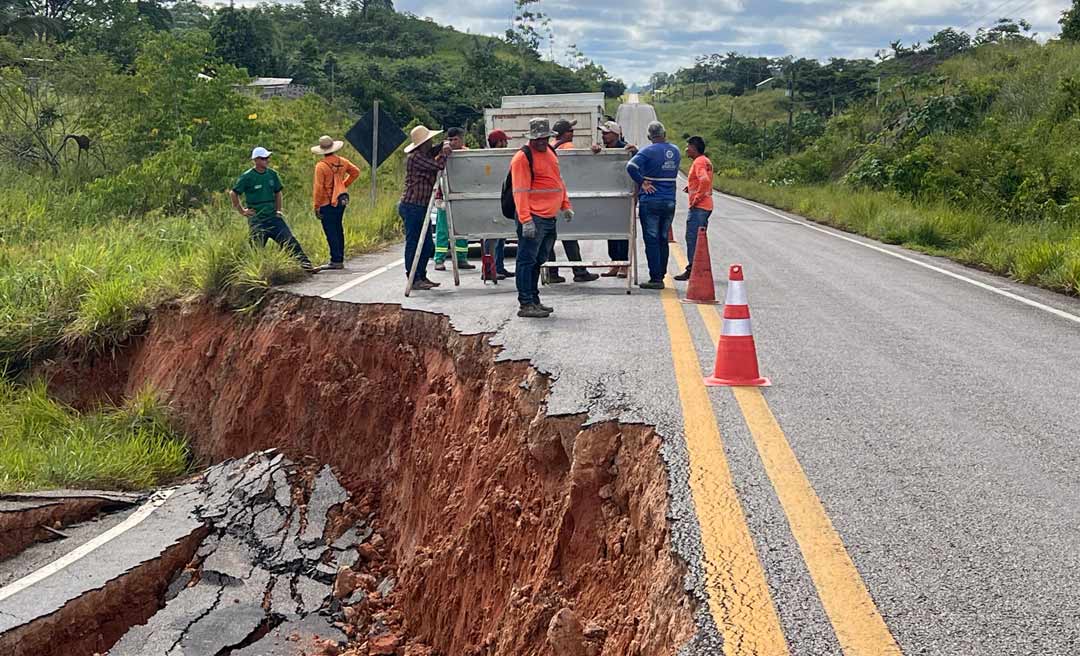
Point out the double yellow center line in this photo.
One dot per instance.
(739, 597)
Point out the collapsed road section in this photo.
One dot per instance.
(271, 563)
(497, 529)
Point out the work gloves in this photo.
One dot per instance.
(528, 230)
(568, 215)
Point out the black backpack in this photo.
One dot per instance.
(509, 208)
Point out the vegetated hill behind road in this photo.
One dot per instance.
(971, 156)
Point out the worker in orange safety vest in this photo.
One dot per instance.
(539, 198)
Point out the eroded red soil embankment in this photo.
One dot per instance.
(497, 516)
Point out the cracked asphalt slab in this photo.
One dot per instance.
(260, 580)
(935, 420)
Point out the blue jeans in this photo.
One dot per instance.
(274, 227)
(656, 217)
(413, 216)
(331, 218)
(697, 218)
(531, 254)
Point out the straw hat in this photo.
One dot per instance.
(420, 135)
(327, 146)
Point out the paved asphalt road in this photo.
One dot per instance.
(916, 485)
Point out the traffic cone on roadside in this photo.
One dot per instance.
(701, 288)
(671, 235)
(736, 357)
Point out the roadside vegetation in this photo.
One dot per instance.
(44, 444)
(122, 126)
(967, 151)
(93, 240)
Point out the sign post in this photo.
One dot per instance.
(375, 136)
(374, 148)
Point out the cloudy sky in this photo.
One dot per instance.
(633, 38)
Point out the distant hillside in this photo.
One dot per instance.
(416, 67)
(969, 153)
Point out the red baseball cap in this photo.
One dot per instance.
(497, 135)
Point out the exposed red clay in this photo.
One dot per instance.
(496, 517)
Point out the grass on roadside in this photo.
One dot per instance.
(45, 444)
(1039, 253)
(96, 283)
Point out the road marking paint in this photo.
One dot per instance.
(739, 597)
(971, 281)
(859, 627)
(60, 563)
(340, 289)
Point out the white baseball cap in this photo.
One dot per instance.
(260, 152)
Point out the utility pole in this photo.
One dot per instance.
(764, 132)
(790, 108)
(731, 119)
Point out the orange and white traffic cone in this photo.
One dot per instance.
(701, 288)
(736, 357)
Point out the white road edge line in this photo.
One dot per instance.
(971, 281)
(364, 278)
(60, 563)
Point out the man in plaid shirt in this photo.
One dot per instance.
(421, 169)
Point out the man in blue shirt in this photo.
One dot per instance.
(655, 169)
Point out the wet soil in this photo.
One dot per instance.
(510, 532)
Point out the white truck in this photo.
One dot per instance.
(513, 117)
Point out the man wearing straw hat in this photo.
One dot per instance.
(333, 175)
(421, 170)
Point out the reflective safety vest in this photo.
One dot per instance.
(538, 189)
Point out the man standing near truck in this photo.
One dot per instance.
(539, 197)
(497, 247)
(617, 249)
(455, 137)
(655, 169)
(699, 187)
(564, 140)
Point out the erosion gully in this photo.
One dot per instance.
(372, 468)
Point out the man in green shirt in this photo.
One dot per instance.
(261, 188)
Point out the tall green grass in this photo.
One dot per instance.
(1039, 253)
(45, 444)
(94, 280)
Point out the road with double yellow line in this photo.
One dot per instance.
(909, 484)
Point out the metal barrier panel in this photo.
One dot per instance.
(601, 194)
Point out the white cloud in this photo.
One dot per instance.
(633, 38)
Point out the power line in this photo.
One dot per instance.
(985, 16)
(1009, 13)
